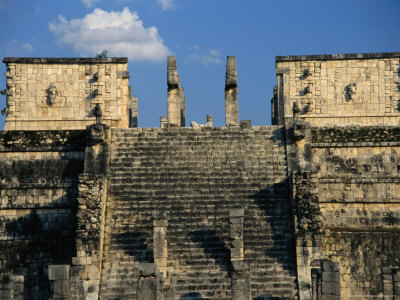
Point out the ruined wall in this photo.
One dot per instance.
(38, 203)
(60, 93)
(348, 89)
(358, 186)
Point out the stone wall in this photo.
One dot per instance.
(61, 93)
(349, 89)
(38, 202)
(358, 188)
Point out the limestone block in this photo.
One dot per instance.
(58, 272)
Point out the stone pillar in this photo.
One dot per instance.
(231, 93)
(149, 283)
(92, 193)
(132, 110)
(97, 149)
(236, 228)
(160, 224)
(176, 102)
(391, 283)
(325, 280)
(163, 122)
(11, 287)
(241, 282)
(59, 279)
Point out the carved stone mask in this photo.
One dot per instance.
(52, 93)
(351, 90)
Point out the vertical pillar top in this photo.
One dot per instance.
(171, 61)
(172, 73)
(231, 72)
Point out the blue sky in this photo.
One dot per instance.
(201, 33)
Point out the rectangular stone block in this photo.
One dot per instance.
(58, 272)
(236, 212)
(60, 288)
(330, 276)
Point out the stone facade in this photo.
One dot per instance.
(61, 93)
(308, 209)
(336, 90)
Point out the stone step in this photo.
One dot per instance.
(196, 177)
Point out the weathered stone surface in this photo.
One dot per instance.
(231, 93)
(235, 212)
(176, 101)
(58, 272)
(63, 92)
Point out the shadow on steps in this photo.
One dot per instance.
(135, 244)
(214, 247)
(192, 296)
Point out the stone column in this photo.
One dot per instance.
(231, 93)
(391, 283)
(160, 224)
(236, 227)
(325, 280)
(241, 282)
(59, 278)
(176, 102)
(149, 283)
(92, 193)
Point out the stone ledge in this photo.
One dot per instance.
(350, 56)
(43, 140)
(22, 186)
(65, 60)
(356, 144)
(358, 180)
(365, 136)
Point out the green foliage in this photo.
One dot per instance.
(102, 54)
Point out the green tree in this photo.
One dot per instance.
(103, 54)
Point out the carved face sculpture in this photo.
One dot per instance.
(351, 90)
(52, 93)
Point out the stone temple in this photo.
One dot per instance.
(94, 207)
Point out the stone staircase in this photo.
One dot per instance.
(196, 176)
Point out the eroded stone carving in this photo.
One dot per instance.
(306, 73)
(305, 91)
(52, 93)
(208, 124)
(296, 111)
(9, 92)
(307, 108)
(98, 113)
(351, 90)
(306, 210)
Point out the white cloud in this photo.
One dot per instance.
(16, 48)
(212, 56)
(121, 33)
(196, 47)
(89, 3)
(166, 4)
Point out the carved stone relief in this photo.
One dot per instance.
(351, 90)
(9, 92)
(52, 93)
